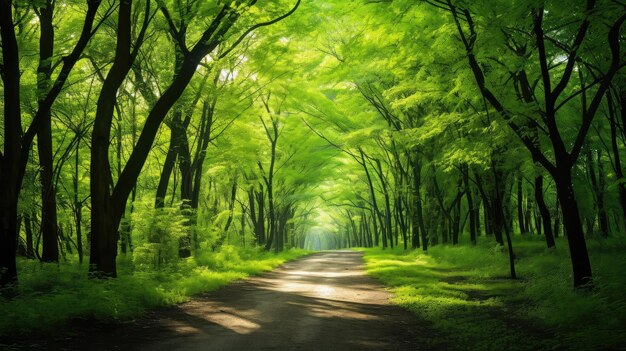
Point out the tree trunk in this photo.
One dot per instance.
(166, 172)
(417, 202)
(557, 224)
(104, 221)
(375, 211)
(257, 215)
(520, 207)
(78, 205)
(387, 233)
(470, 204)
(10, 163)
(581, 265)
(50, 252)
(619, 172)
(477, 215)
(545, 213)
(260, 228)
(497, 214)
(179, 130)
(602, 216)
(50, 249)
(28, 229)
(456, 222)
(499, 210)
(269, 183)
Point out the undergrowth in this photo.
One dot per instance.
(52, 295)
(466, 292)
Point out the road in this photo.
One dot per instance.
(321, 302)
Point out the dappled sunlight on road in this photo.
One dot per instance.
(321, 302)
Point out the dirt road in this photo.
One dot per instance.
(321, 302)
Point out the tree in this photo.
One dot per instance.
(16, 143)
(108, 206)
(560, 168)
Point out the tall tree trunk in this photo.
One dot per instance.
(388, 229)
(477, 215)
(470, 204)
(50, 252)
(415, 215)
(619, 172)
(375, 211)
(499, 209)
(602, 216)
(520, 207)
(545, 213)
(252, 213)
(598, 190)
(104, 224)
(581, 266)
(10, 172)
(28, 229)
(166, 172)
(456, 222)
(231, 205)
(260, 228)
(179, 129)
(557, 219)
(494, 217)
(257, 214)
(269, 181)
(78, 204)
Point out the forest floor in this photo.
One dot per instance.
(321, 302)
(466, 294)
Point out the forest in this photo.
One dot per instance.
(471, 151)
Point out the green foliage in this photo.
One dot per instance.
(384, 80)
(158, 232)
(464, 291)
(50, 295)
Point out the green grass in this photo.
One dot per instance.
(51, 295)
(465, 292)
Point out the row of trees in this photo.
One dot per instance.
(164, 128)
(486, 118)
(92, 83)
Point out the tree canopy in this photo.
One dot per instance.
(157, 130)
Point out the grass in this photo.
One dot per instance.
(465, 292)
(51, 296)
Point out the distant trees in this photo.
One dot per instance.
(461, 113)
